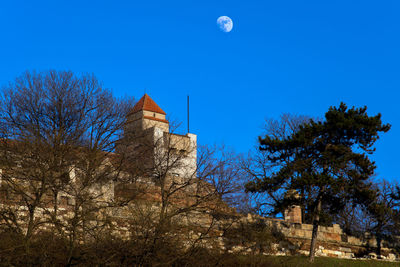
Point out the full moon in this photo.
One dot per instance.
(225, 23)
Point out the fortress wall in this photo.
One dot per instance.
(331, 241)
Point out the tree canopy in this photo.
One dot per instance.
(326, 162)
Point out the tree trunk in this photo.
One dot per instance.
(315, 230)
(29, 230)
(379, 240)
(55, 207)
(73, 234)
(378, 246)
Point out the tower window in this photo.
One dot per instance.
(154, 115)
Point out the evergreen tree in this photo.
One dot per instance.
(325, 161)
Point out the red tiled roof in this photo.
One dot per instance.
(146, 103)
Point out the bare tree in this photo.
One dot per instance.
(185, 187)
(381, 213)
(51, 125)
(377, 218)
(257, 164)
(84, 165)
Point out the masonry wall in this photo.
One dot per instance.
(331, 241)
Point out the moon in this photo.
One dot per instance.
(225, 23)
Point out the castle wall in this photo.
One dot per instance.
(331, 241)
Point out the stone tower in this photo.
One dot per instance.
(148, 135)
(293, 214)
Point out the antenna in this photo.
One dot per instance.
(188, 113)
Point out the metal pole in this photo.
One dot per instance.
(188, 113)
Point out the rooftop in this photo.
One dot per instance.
(148, 104)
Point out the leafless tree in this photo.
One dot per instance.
(72, 165)
(377, 218)
(186, 187)
(257, 165)
(53, 124)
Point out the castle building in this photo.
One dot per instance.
(151, 146)
(148, 132)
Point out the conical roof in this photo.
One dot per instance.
(146, 103)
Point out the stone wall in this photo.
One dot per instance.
(211, 229)
(331, 241)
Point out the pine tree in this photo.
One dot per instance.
(326, 162)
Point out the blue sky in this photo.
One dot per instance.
(295, 57)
